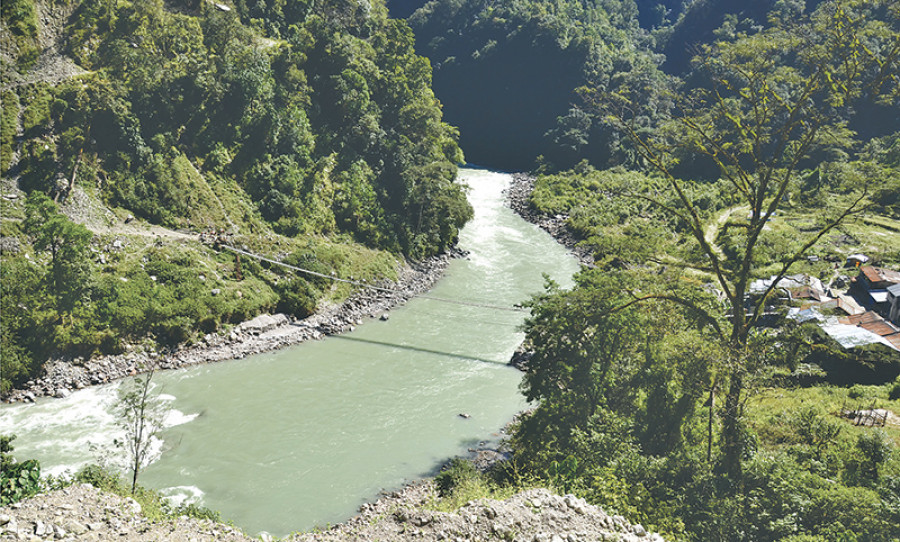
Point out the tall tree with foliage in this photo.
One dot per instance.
(769, 103)
(67, 244)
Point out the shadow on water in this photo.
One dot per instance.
(417, 349)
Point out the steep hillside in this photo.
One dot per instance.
(522, 79)
(309, 133)
(508, 75)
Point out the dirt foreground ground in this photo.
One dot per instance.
(84, 513)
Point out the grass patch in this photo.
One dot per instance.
(777, 403)
(460, 483)
(153, 505)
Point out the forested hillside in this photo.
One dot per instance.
(511, 75)
(308, 129)
(732, 167)
(699, 377)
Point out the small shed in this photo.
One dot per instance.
(856, 260)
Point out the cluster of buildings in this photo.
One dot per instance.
(867, 312)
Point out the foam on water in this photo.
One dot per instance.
(67, 434)
(179, 495)
(60, 432)
(176, 417)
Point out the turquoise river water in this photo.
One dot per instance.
(299, 438)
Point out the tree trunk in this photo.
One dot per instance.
(712, 411)
(732, 442)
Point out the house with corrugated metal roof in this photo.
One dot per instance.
(872, 283)
(873, 322)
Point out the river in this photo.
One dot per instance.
(299, 438)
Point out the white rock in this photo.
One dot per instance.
(133, 506)
(75, 527)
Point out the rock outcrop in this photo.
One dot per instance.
(82, 512)
(535, 515)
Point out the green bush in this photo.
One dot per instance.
(856, 392)
(17, 480)
(454, 474)
(894, 394)
(196, 511)
(296, 297)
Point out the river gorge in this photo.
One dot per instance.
(298, 438)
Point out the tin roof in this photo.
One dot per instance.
(857, 319)
(880, 275)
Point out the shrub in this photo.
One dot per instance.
(894, 394)
(17, 480)
(454, 474)
(297, 297)
(856, 392)
(196, 511)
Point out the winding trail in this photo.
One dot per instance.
(712, 229)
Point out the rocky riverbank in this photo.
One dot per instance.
(261, 334)
(537, 515)
(517, 194)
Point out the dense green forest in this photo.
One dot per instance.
(666, 387)
(511, 74)
(693, 147)
(308, 130)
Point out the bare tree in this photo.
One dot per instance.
(142, 414)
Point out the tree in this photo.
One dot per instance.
(875, 448)
(642, 366)
(67, 243)
(141, 418)
(770, 101)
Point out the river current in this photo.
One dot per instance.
(299, 438)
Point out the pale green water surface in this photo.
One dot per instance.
(300, 438)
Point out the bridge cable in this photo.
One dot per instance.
(370, 286)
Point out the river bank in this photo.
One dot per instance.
(520, 188)
(264, 333)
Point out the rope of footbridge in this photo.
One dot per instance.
(366, 285)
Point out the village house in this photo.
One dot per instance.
(871, 285)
